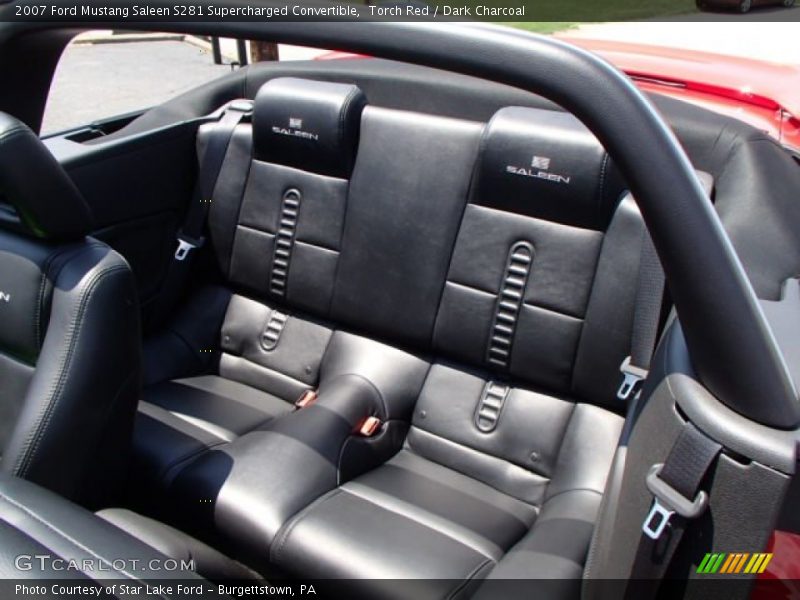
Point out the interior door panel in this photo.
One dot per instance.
(138, 188)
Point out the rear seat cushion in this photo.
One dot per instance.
(222, 407)
(179, 420)
(444, 523)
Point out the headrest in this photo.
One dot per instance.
(37, 196)
(308, 125)
(546, 164)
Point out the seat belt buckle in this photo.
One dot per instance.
(667, 501)
(185, 245)
(306, 399)
(657, 520)
(632, 377)
(369, 427)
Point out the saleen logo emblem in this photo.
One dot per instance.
(540, 162)
(539, 169)
(4, 297)
(295, 130)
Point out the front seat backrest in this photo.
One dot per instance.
(69, 330)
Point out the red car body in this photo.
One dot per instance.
(762, 94)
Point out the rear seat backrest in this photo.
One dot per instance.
(276, 225)
(407, 196)
(533, 261)
(287, 228)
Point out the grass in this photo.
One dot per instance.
(541, 26)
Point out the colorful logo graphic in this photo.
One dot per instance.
(734, 563)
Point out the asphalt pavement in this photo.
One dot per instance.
(105, 77)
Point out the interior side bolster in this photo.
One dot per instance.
(93, 293)
(548, 561)
(182, 349)
(209, 563)
(586, 452)
(71, 532)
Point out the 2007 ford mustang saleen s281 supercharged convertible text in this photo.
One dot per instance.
(476, 317)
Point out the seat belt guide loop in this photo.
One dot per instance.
(667, 501)
(243, 106)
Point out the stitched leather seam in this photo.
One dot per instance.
(374, 388)
(562, 492)
(170, 472)
(40, 302)
(13, 132)
(470, 576)
(601, 189)
(317, 246)
(525, 303)
(34, 439)
(468, 193)
(20, 360)
(67, 537)
(566, 433)
(545, 479)
(423, 524)
(297, 239)
(283, 535)
(351, 96)
(242, 195)
(260, 366)
(30, 452)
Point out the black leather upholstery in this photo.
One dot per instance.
(482, 322)
(546, 164)
(116, 545)
(69, 340)
(404, 206)
(309, 125)
(208, 562)
(36, 195)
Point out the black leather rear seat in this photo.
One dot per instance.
(483, 322)
(275, 224)
(495, 478)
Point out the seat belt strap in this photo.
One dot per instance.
(647, 311)
(675, 484)
(677, 500)
(646, 319)
(190, 235)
